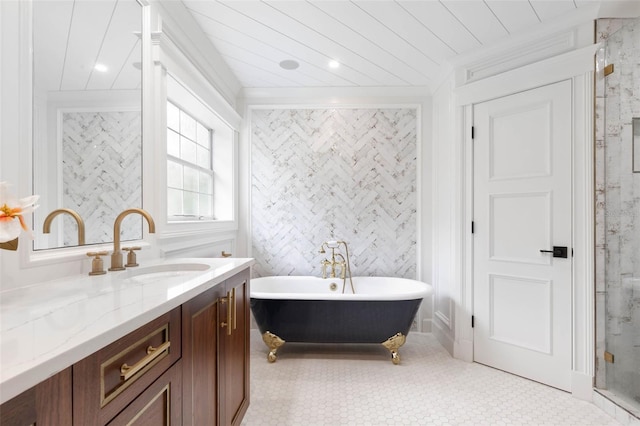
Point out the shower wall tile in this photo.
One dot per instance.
(606, 27)
(343, 174)
(101, 172)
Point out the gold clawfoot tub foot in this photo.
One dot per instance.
(394, 343)
(273, 342)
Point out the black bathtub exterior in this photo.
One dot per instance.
(334, 321)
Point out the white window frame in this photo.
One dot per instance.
(176, 73)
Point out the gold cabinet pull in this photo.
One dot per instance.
(233, 306)
(225, 254)
(229, 322)
(229, 314)
(126, 372)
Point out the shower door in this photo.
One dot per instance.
(618, 209)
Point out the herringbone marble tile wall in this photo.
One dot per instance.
(102, 173)
(344, 174)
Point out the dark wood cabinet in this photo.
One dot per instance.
(159, 405)
(189, 366)
(234, 351)
(46, 404)
(200, 357)
(216, 354)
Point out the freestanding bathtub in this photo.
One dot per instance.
(315, 310)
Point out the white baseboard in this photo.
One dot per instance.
(443, 337)
(582, 386)
(427, 325)
(463, 350)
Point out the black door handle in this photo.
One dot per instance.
(558, 251)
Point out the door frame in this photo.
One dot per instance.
(577, 66)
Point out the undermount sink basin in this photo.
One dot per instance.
(157, 272)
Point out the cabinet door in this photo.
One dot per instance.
(200, 358)
(46, 404)
(159, 405)
(235, 350)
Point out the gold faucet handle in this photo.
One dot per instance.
(131, 256)
(97, 265)
(343, 270)
(324, 264)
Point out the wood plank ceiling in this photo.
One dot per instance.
(377, 43)
(71, 37)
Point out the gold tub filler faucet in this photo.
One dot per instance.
(337, 261)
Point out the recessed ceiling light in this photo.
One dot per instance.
(289, 64)
(101, 68)
(334, 64)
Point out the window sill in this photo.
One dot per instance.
(192, 235)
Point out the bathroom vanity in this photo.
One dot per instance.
(164, 344)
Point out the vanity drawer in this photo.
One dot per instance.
(107, 381)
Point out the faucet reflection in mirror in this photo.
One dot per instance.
(116, 256)
(12, 221)
(46, 228)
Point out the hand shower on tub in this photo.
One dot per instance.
(343, 263)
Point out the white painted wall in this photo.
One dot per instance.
(445, 261)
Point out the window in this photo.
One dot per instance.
(189, 167)
(201, 155)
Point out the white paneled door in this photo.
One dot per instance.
(522, 210)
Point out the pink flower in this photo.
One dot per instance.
(11, 211)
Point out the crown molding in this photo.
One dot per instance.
(554, 38)
(524, 55)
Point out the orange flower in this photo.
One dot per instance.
(11, 214)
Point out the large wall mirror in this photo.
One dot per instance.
(87, 121)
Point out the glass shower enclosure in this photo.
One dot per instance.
(618, 212)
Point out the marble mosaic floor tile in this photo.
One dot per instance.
(314, 385)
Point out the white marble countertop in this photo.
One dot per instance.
(47, 327)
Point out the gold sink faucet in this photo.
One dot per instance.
(116, 257)
(46, 228)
